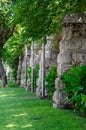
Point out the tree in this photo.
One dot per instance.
(14, 47)
(6, 31)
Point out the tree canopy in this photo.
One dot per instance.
(43, 17)
(34, 19)
(6, 21)
(37, 18)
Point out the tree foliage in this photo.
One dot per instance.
(34, 19)
(14, 47)
(6, 31)
(43, 17)
(6, 21)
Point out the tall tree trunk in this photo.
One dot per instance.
(2, 73)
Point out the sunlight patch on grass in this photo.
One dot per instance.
(3, 95)
(11, 125)
(23, 114)
(26, 126)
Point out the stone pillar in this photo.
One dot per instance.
(34, 60)
(19, 71)
(32, 66)
(23, 71)
(8, 72)
(72, 50)
(25, 63)
(43, 71)
(28, 65)
(23, 79)
(50, 60)
(39, 81)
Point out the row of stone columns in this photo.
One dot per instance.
(50, 60)
(72, 52)
(45, 57)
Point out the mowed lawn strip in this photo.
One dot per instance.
(22, 110)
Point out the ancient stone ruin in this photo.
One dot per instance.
(31, 59)
(34, 60)
(19, 70)
(72, 50)
(50, 60)
(24, 62)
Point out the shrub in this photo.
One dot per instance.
(50, 80)
(12, 84)
(36, 74)
(74, 81)
(12, 74)
(0, 83)
(29, 72)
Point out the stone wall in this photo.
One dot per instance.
(72, 50)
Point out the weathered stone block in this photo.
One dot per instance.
(50, 59)
(58, 83)
(72, 49)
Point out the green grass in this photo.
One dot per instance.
(21, 110)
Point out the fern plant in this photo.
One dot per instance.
(74, 81)
(50, 80)
(36, 74)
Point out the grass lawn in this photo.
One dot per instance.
(21, 110)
